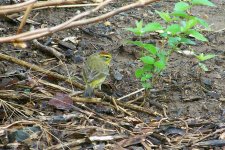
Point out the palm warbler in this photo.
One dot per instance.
(95, 70)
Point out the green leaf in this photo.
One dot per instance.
(196, 35)
(183, 24)
(203, 67)
(202, 57)
(202, 2)
(143, 79)
(138, 43)
(181, 6)
(164, 15)
(152, 27)
(203, 23)
(148, 67)
(164, 34)
(162, 56)
(146, 77)
(160, 64)
(190, 23)
(139, 73)
(138, 30)
(187, 41)
(151, 48)
(147, 60)
(139, 24)
(146, 85)
(135, 31)
(180, 14)
(173, 41)
(209, 56)
(174, 29)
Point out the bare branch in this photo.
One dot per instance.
(9, 9)
(73, 23)
(3, 9)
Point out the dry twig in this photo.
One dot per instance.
(48, 49)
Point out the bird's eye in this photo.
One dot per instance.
(106, 58)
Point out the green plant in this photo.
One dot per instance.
(180, 28)
(202, 57)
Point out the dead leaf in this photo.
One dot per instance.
(28, 21)
(61, 101)
(107, 23)
(132, 140)
(19, 44)
(8, 83)
(222, 136)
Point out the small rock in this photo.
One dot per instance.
(213, 94)
(222, 99)
(217, 76)
(223, 74)
(206, 81)
(82, 44)
(118, 94)
(223, 112)
(99, 146)
(117, 75)
(157, 5)
(219, 61)
(67, 45)
(78, 59)
(212, 38)
(69, 53)
(131, 64)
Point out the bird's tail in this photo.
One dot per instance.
(89, 91)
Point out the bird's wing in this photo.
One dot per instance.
(91, 74)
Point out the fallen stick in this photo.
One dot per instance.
(48, 49)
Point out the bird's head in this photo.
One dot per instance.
(106, 57)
